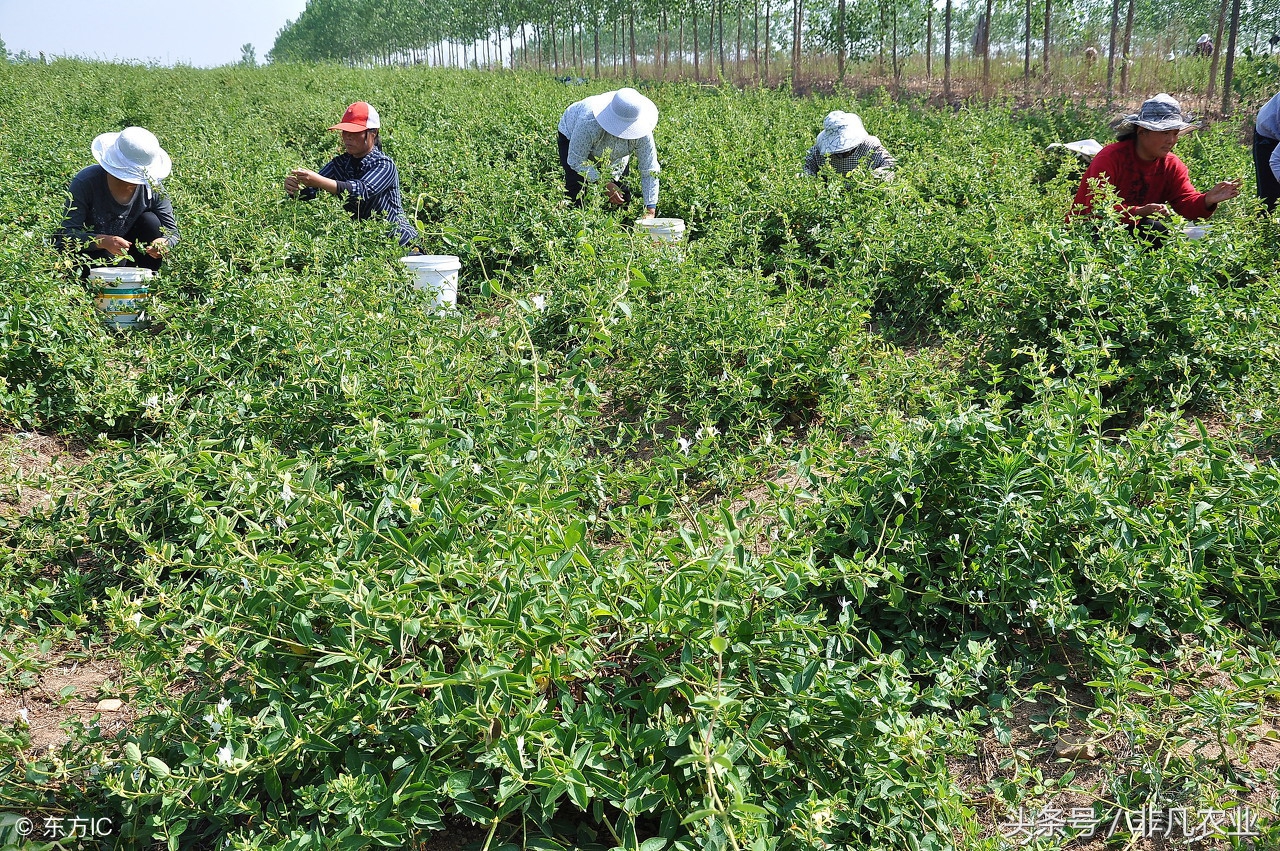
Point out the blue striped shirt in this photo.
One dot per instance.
(369, 185)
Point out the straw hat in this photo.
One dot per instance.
(1160, 113)
(841, 131)
(133, 155)
(625, 113)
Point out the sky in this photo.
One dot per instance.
(203, 33)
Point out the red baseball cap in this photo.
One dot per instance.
(358, 118)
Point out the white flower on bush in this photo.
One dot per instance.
(684, 443)
(136, 617)
(539, 303)
(414, 504)
(1193, 289)
(286, 492)
(224, 705)
(215, 726)
(705, 432)
(1256, 413)
(153, 402)
(477, 469)
(24, 716)
(224, 755)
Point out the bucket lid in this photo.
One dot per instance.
(432, 262)
(127, 274)
(661, 224)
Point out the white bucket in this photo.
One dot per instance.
(437, 274)
(120, 294)
(662, 230)
(1196, 231)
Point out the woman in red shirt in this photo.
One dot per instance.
(1150, 181)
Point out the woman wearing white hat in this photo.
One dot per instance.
(845, 144)
(115, 206)
(1150, 181)
(607, 130)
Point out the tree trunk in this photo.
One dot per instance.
(631, 26)
(1026, 55)
(1111, 51)
(946, 52)
(1048, 6)
(986, 53)
(720, 3)
(1231, 57)
(1128, 45)
(737, 47)
(595, 43)
(768, 45)
(928, 43)
(840, 41)
(797, 21)
(897, 70)
(680, 45)
(697, 75)
(1217, 54)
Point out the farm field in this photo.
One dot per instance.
(885, 515)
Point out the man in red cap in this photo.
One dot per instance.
(364, 176)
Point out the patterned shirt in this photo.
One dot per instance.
(589, 143)
(93, 210)
(369, 185)
(844, 162)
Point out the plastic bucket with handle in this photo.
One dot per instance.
(662, 230)
(120, 294)
(438, 275)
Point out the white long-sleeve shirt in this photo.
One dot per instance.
(1268, 124)
(589, 144)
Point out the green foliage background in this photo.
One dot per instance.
(735, 547)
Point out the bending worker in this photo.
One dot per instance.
(606, 130)
(1150, 180)
(845, 144)
(365, 176)
(1266, 157)
(117, 207)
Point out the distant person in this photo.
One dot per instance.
(1266, 158)
(1204, 45)
(117, 209)
(364, 176)
(846, 145)
(605, 131)
(1090, 55)
(1150, 181)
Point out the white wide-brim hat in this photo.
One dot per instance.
(1160, 113)
(625, 113)
(133, 155)
(841, 131)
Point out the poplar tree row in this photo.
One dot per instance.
(772, 39)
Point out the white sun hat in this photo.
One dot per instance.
(133, 155)
(841, 131)
(625, 113)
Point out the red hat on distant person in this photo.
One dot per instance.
(358, 118)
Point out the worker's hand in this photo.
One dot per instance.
(1224, 191)
(614, 194)
(291, 185)
(303, 177)
(158, 248)
(113, 245)
(1150, 210)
